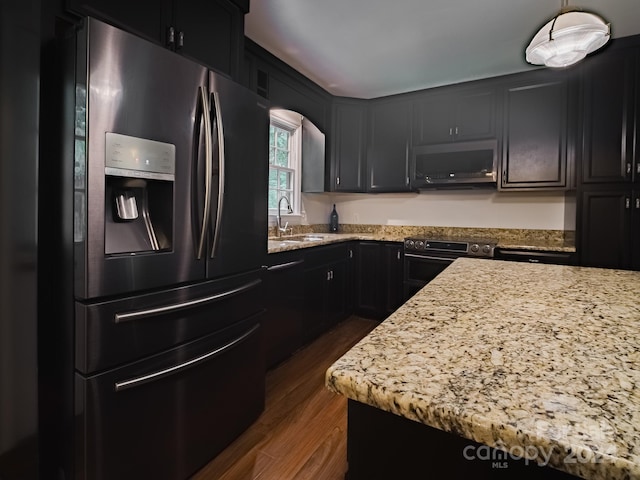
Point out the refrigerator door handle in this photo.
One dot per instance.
(208, 170)
(137, 381)
(221, 162)
(142, 314)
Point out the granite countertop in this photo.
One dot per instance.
(542, 357)
(285, 244)
(540, 240)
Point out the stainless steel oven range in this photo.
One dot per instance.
(426, 257)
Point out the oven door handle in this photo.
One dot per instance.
(134, 382)
(427, 257)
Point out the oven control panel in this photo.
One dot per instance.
(450, 247)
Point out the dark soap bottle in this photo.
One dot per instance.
(333, 220)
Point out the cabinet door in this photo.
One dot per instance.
(368, 274)
(348, 129)
(315, 280)
(212, 32)
(147, 18)
(393, 293)
(455, 115)
(336, 301)
(475, 115)
(605, 230)
(535, 136)
(433, 119)
(608, 118)
(284, 301)
(388, 151)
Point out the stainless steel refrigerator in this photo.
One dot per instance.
(169, 235)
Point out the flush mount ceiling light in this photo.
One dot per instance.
(567, 38)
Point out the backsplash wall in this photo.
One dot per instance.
(473, 209)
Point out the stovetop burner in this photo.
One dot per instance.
(475, 247)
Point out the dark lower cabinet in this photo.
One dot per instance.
(382, 445)
(282, 322)
(379, 279)
(326, 289)
(610, 228)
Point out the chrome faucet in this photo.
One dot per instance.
(282, 229)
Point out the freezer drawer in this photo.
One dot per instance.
(115, 332)
(166, 416)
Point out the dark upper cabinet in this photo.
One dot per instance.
(610, 227)
(610, 83)
(208, 31)
(455, 114)
(348, 145)
(535, 133)
(388, 146)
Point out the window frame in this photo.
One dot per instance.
(295, 161)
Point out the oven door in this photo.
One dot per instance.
(420, 269)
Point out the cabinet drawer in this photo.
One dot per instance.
(183, 407)
(147, 324)
(326, 254)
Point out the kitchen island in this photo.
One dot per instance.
(539, 362)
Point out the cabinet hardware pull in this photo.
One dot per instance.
(171, 36)
(456, 130)
(450, 131)
(331, 274)
(628, 168)
(328, 276)
(284, 266)
(337, 180)
(350, 253)
(638, 168)
(398, 254)
(407, 180)
(638, 203)
(627, 203)
(140, 314)
(180, 40)
(119, 386)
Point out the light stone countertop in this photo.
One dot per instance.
(398, 234)
(543, 357)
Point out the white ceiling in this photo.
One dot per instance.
(373, 48)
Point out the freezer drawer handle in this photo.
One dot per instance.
(135, 382)
(141, 314)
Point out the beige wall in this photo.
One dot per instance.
(473, 209)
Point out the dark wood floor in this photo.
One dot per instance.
(302, 434)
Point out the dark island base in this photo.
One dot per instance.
(381, 445)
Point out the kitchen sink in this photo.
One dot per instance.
(301, 238)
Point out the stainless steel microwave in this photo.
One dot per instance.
(464, 164)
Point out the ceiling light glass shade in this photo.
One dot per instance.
(567, 39)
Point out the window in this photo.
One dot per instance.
(284, 161)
